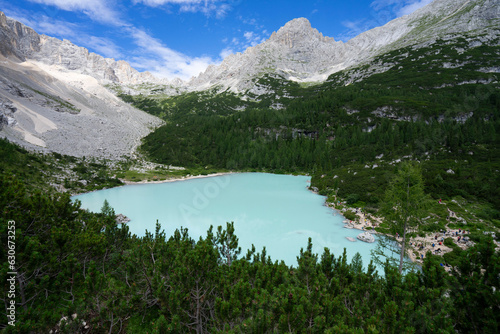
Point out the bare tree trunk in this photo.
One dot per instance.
(401, 259)
(404, 227)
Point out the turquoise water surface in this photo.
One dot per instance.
(275, 211)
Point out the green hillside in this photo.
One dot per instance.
(434, 104)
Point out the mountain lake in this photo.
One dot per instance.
(275, 211)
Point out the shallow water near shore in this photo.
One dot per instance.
(275, 211)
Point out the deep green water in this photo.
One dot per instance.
(275, 211)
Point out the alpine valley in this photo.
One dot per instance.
(420, 94)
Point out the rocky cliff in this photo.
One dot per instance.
(299, 52)
(20, 42)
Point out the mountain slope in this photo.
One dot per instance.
(66, 112)
(19, 42)
(52, 92)
(299, 52)
(52, 96)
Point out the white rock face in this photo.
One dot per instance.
(299, 52)
(52, 96)
(48, 108)
(366, 237)
(23, 43)
(296, 51)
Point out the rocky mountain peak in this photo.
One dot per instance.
(298, 24)
(298, 32)
(301, 53)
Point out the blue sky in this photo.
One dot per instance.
(180, 38)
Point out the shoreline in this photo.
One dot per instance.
(372, 222)
(175, 179)
(413, 251)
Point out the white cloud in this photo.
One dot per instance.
(208, 7)
(70, 31)
(163, 61)
(54, 28)
(249, 35)
(354, 28)
(98, 10)
(411, 7)
(399, 7)
(102, 46)
(149, 53)
(383, 12)
(379, 4)
(226, 52)
(252, 39)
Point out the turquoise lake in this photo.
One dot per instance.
(275, 211)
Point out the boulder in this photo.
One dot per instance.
(351, 239)
(122, 219)
(366, 237)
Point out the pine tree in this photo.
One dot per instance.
(404, 202)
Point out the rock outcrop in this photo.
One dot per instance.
(18, 41)
(122, 219)
(366, 237)
(296, 51)
(52, 96)
(7, 111)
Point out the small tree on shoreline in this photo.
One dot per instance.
(405, 201)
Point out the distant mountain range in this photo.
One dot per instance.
(53, 95)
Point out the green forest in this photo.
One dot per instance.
(80, 272)
(445, 118)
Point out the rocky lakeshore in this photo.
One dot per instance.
(417, 247)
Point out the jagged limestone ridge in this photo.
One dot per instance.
(299, 52)
(22, 42)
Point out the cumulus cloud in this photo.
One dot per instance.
(162, 61)
(98, 10)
